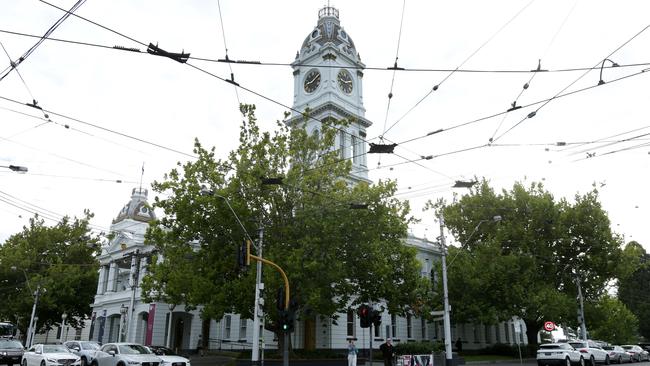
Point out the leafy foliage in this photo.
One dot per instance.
(634, 288)
(59, 258)
(527, 264)
(611, 321)
(334, 256)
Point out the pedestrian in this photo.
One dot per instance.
(387, 352)
(459, 345)
(352, 353)
(199, 346)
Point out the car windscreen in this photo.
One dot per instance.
(608, 348)
(627, 347)
(10, 344)
(549, 346)
(55, 348)
(133, 349)
(89, 345)
(577, 345)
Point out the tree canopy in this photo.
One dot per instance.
(335, 257)
(61, 260)
(528, 264)
(608, 319)
(634, 286)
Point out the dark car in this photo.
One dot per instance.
(11, 351)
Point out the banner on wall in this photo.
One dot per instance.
(414, 360)
(152, 314)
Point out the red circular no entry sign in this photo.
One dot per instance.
(549, 326)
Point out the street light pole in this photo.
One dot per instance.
(31, 330)
(169, 326)
(583, 325)
(446, 320)
(257, 312)
(64, 316)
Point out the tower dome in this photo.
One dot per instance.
(328, 30)
(137, 209)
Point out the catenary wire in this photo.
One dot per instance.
(437, 86)
(572, 83)
(255, 63)
(225, 46)
(392, 82)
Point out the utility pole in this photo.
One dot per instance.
(31, 331)
(135, 274)
(446, 320)
(583, 326)
(257, 312)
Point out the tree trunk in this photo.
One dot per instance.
(532, 329)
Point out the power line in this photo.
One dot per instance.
(436, 86)
(371, 68)
(225, 46)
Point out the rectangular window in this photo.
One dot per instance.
(514, 334)
(242, 328)
(488, 334)
(355, 150)
(377, 331)
(497, 331)
(387, 331)
(409, 327)
(507, 329)
(435, 330)
(342, 144)
(476, 336)
(77, 334)
(393, 324)
(226, 328)
(351, 324)
(58, 332)
(423, 326)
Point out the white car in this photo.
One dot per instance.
(559, 354)
(636, 353)
(592, 352)
(125, 354)
(50, 355)
(169, 357)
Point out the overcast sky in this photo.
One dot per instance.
(167, 103)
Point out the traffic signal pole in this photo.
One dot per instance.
(257, 312)
(446, 320)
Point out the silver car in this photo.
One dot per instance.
(84, 349)
(125, 354)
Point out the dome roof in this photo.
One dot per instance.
(329, 30)
(137, 209)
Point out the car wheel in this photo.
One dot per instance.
(24, 362)
(94, 363)
(607, 360)
(43, 363)
(568, 362)
(592, 361)
(84, 362)
(582, 361)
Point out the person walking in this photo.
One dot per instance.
(352, 353)
(459, 345)
(387, 352)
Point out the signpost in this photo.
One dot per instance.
(549, 326)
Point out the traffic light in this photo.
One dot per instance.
(364, 315)
(375, 317)
(286, 320)
(243, 254)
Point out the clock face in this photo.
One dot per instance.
(344, 80)
(312, 81)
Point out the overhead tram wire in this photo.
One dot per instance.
(546, 100)
(14, 64)
(532, 114)
(107, 130)
(437, 86)
(225, 46)
(539, 69)
(607, 137)
(261, 63)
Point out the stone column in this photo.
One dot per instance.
(101, 280)
(112, 277)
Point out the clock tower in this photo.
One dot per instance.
(328, 75)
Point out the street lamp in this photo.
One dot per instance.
(31, 330)
(169, 327)
(15, 168)
(64, 316)
(446, 319)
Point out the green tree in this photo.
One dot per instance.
(335, 257)
(634, 285)
(61, 260)
(610, 320)
(527, 264)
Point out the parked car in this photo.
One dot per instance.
(84, 349)
(637, 353)
(11, 351)
(592, 353)
(169, 357)
(125, 354)
(618, 354)
(559, 354)
(50, 355)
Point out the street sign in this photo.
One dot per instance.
(549, 326)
